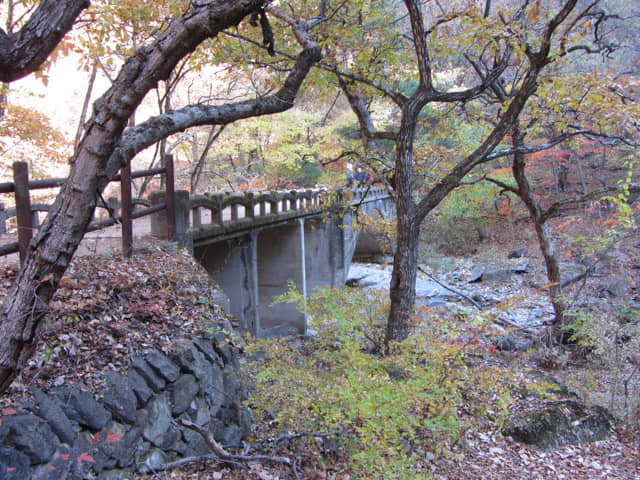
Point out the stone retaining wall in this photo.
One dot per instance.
(132, 425)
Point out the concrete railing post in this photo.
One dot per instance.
(159, 220)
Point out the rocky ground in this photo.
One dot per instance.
(109, 307)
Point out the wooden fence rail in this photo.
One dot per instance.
(26, 213)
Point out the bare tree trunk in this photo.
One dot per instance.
(85, 105)
(214, 133)
(544, 237)
(57, 239)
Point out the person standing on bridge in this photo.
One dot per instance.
(349, 173)
(360, 177)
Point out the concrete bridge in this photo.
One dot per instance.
(255, 244)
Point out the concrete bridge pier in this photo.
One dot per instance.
(253, 269)
(234, 265)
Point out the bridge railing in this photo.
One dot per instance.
(27, 213)
(225, 208)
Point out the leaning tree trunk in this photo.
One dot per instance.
(57, 239)
(544, 238)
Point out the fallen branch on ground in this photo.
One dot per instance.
(451, 289)
(225, 456)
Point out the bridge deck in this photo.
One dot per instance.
(217, 217)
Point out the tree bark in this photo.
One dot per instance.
(24, 52)
(542, 232)
(93, 165)
(402, 290)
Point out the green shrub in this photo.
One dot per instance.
(381, 409)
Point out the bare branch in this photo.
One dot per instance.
(549, 212)
(223, 455)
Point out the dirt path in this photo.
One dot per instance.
(108, 240)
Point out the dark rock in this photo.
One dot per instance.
(162, 365)
(199, 412)
(119, 398)
(213, 389)
(81, 407)
(132, 447)
(191, 359)
(222, 344)
(206, 347)
(113, 475)
(518, 253)
(477, 273)
(108, 445)
(154, 460)
(231, 436)
(83, 457)
(229, 416)
(139, 387)
(59, 468)
(160, 428)
(521, 267)
(196, 445)
(14, 465)
(558, 424)
(234, 391)
(30, 435)
(151, 377)
(55, 417)
(497, 275)
(183, 392)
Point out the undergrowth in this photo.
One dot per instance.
(381, 413)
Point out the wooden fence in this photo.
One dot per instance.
(26, 213)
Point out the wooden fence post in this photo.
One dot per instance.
(171, 197)
(23, 207)
(126, 210)
(3, 219)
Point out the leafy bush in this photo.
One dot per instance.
(383, 411)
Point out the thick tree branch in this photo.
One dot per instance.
(420, 44)
(136, 139)
(24, 52)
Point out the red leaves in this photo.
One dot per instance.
(85, 457)
(113, 437)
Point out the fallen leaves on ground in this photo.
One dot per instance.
(108, 307)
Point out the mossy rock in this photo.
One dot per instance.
(558, 424)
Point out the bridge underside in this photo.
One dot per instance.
(256, 267)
